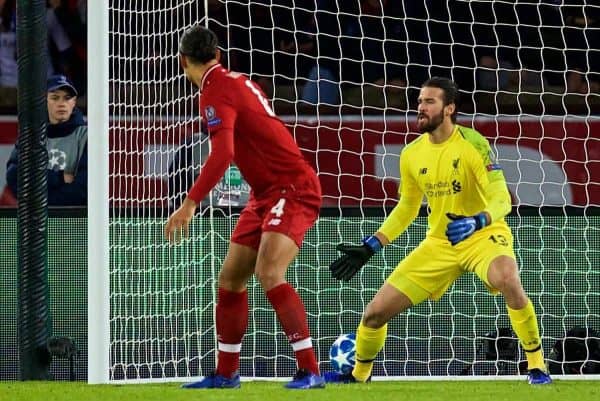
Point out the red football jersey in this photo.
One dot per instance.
(263, 148)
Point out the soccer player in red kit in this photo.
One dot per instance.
(284, 203)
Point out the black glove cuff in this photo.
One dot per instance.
(480, 221)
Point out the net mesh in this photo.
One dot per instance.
(344, 76)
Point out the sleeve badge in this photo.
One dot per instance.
(211, 116)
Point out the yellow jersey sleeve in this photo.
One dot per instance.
(490, 177)
(411, 197)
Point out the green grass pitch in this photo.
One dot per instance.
(271, 391)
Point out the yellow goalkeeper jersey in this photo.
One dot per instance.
(459, 176)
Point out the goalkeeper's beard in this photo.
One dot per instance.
(430, 124)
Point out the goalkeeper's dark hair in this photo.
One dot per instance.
(198, 43)
(450, 90)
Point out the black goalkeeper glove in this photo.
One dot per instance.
(354, 258)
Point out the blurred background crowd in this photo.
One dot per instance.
(351, 52)
(483, 45)
(344, 57)
(67, 46)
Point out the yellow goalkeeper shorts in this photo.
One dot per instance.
(435, 264)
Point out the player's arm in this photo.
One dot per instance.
(404, 213)
(407, 208)
(220, 120)
(491, 178)
(498, 198)
(218, 161)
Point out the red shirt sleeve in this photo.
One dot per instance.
(218, 161)
(219, 115)
(218, 110)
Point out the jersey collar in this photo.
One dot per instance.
(207, 73)
(447, 141)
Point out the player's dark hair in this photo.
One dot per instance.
(198, 43)
(450, 90)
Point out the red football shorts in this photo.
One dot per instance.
(290, 210)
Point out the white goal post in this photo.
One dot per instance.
(98, 202)
(343, 78)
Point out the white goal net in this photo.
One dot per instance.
(344, 76)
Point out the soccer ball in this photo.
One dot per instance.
(342, 353)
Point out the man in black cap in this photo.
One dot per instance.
(67, 148)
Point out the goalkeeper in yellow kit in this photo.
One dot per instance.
(454, 167)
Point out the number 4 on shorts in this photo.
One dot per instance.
(277, 210)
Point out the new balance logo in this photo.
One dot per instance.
(274, 222)
(456, 187)
(423, 171)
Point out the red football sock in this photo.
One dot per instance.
(231, 320)
(292, 316)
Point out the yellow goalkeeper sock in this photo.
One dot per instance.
(368, 343)
(524, 323)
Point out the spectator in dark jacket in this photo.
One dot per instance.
(67, 148)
